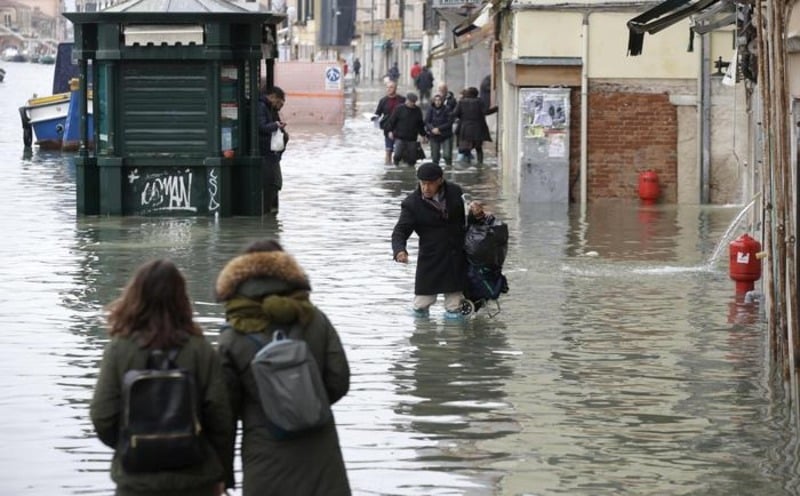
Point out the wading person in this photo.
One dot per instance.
(439, 126)
(425, 85)
(404, 126)
(386, 107)
(435, 211)
(153, 318)
(472, 127)
(264, 290)
(269, 122)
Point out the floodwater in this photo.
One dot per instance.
(620, 362)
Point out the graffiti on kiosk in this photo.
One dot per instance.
(165, 191)
(213, 204)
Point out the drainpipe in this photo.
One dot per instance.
(705, 119)
(584, 107)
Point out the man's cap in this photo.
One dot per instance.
(411, 97)
(429, 172)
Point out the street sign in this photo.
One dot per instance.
(333, 78)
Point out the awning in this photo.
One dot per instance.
(479, 19)
(663, 16)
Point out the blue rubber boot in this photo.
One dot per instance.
(420, 313)
(448, 315)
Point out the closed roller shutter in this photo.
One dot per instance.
(165, 109)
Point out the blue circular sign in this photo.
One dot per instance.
(333, 74)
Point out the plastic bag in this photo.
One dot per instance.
(487, 243)
(276, 141)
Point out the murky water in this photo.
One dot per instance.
(634, 371)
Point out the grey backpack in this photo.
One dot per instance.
(289, 384)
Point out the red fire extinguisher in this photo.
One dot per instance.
(745, 265)
(648, 186)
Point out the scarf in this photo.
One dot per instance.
(250, 316)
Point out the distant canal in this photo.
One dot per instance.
(634, 371)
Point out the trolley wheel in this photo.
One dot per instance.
(27, 137)
(467, 307)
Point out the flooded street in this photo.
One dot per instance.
(634, 371)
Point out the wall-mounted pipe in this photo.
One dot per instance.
(584, 107)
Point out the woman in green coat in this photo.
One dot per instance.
(155, 313)
(265, 289)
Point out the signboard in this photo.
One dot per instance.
(333, 78)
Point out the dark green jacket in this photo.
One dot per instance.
(309, 464)
(197, 355)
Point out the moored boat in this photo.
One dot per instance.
(46, 116)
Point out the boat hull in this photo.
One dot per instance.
(48, 116)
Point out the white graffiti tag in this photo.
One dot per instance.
(165, 192)
(213, 203)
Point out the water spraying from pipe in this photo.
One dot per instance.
(728, 236)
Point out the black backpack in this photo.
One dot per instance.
(160, 426)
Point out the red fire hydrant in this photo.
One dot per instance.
(648, 186)
(745, 265)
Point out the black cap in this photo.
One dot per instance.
(411, 97)
(429, 172)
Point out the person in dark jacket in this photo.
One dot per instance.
(435, 211)
(154, 312)
(439, 126)
(357, 70)
(405, 126)
(269, 120)
(263, 290)
(386, 107)
(472, 127)
(425, 85)
(393, 73)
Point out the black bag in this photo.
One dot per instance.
(160, 427)
(420, 151)
(487, 243)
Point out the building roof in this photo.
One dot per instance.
(210, 6)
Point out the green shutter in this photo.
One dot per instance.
(165, 109)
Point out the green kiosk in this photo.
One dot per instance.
(172, 95)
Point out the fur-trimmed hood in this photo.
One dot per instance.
(269, 265)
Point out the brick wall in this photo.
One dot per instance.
(628, 132)
(308, 101)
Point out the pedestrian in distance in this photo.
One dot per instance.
(448, 98)
(425, 85)
(386, 106)
(435, 211)
(439, 126)
(263, 290)
(472, 127)
(357, 70)
(270, 103)
(393, 73)
(416, 69)
(449, 101)
(154, 314)
(405, 125)
(485, 96)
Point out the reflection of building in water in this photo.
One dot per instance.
(455, 386)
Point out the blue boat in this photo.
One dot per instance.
(54, 119)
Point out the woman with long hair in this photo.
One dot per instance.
(154, 314)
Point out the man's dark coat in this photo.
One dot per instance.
(441, 263)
